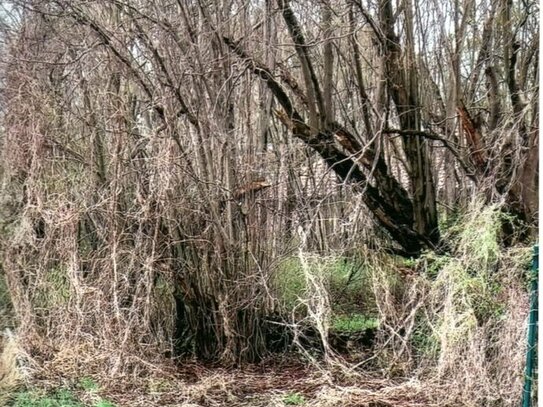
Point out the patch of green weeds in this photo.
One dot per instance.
(424, 340)
(294, 399)
(431, 264)
(36, 398)
(350, 287)
(409, 262)
(88, 384)
(159, 385)
(478, 237)
(483, 292)
(347, 280)
(290, 282)
(4, 292)
(354, 323)
(6, 308)
(104, 403)
(58, 398)
(54, 290)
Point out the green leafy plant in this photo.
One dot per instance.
(424, 340)
(294, 399)
(478, 238)
(4, 292)
(6, 308)
(290, 282)
(431, 263)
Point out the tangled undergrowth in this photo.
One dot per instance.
(450, 331)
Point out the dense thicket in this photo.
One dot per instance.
(160, 157)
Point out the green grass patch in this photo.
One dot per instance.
(104, 403)
(59, 397)
(88, 384)
(430, 264)
(35, 398)
(6, 308)
(478, 236)
(54, 289)
(290, 282)
(5, 300)
(424, 340)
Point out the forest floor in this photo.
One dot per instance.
(285, 381)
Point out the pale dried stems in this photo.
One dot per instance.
(119, 231)
(317, 301)
(399, 302)
(64, 292)
(462, 329)
(13, 366)
(408, 394)
(480, 305)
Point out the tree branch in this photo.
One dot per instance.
(433, 136)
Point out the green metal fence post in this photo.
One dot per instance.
(532, 332)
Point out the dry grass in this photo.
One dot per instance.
(272, 384)
(10, 375)
(267, 385)
(194, 385)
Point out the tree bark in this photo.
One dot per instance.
(402, 85)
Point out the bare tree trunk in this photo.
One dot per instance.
(403, 87)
